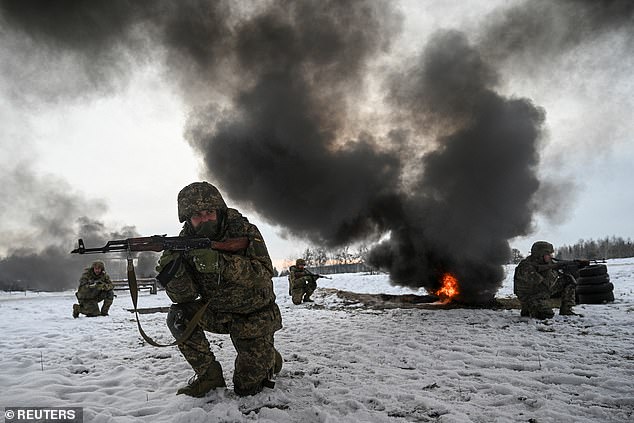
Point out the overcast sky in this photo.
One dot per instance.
(120, 154)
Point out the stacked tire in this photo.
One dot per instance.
(594, 286)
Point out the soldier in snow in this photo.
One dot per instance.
(302, 283)
(94, 286)
(536, 281)
(235, 289)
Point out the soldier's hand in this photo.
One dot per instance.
(101, 286)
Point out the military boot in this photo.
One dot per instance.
(199, 385)
(524, 313)
(307, 299)
(75, 310)
(104, 309)
(567, 311)
(277, 367)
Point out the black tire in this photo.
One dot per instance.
(605, 297)
(594, 289)
(593, 270)
(593, 280)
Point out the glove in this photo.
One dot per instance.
(170, 266)
(206, 260)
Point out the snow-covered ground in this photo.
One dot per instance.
(343, 363)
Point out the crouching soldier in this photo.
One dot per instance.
(233, 291)
(302, 283)
(536, 281)
(94, 286)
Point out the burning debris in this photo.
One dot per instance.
(338, 299)
(449, 289)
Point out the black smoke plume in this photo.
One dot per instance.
(284, 147)
(445, 163)
(48, 218)
(473, 191)
(533, 33)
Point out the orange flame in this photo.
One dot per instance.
(449, 289)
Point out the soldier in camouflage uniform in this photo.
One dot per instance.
(302, 283)
(236, 287)
(536, 281)
(94, 286)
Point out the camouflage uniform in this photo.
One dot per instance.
(302, 283)
(92, 289)
(239, 289)
(536, 281)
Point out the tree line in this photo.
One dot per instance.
(319, 256)
(606, 248)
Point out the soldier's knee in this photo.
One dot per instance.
(543, 314)
(176, 320)
(246, 390)
(253, 383)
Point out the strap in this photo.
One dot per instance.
(134, 293)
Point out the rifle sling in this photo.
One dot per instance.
(134, 293)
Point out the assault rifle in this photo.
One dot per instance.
(317, 276)
(159, 243)
(570, 267)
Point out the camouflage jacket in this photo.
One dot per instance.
(530, 280)
(233, 282)
(295, 274)
(90, 284)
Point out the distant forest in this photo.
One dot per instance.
(614, 247)
(607, 248)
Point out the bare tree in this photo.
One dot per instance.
(321, 256)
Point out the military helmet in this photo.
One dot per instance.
(541, 248)
(300, 262)
(99, 264)
(197, 197)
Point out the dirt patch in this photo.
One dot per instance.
(431, 302)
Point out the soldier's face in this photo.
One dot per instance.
(96, 270)
(203, 216)
(548, 258)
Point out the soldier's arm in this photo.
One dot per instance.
(84, 280)
(529, 275)
(107, 283)
(254, 263)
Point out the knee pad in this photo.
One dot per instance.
(176, 320)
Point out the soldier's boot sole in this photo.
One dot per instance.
(75, 311)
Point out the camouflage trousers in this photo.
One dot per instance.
(90, 307)
(251, 335)
(302, 288)
(536, 304)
